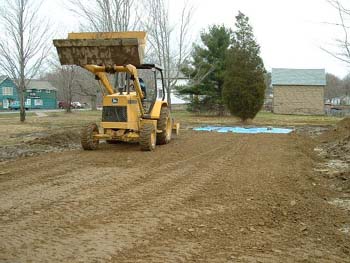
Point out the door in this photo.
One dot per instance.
(28, 103)
(5, 103)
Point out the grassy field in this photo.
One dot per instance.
(262, 119)
(12, 130)
(76, 119)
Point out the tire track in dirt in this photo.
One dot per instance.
(143, 189)
(213, 238)
(140, 224)
(59, 185)
(121, 205)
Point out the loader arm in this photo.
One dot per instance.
(100, 72)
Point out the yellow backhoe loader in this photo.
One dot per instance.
(135, 108)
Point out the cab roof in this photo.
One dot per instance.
(149, 66)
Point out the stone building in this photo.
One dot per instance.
(298, 91)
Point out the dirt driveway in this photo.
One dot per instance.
(206, 197)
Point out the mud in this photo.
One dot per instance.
(38, 143)
(205, 197)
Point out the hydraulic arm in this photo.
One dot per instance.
(100, 72)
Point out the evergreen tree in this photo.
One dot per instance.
(206, 70)
(244, 86)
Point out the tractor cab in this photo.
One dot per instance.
(152, 85)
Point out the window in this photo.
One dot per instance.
(38, 102)
(28, 102)
(7, 91)
(39, 90)
(48, 91)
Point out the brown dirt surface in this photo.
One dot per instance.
(205, 197)
(334, 149)
(340, 132)
(336, 142)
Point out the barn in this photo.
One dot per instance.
(298, 91)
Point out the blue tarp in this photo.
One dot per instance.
(253, 130)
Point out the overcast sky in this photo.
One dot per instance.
(290, 32)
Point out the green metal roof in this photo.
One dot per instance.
(298, 77)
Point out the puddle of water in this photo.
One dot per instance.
(251, 130)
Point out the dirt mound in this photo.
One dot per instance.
(345, 123)
(340, 132)
(62, 139)
(41, 143)
(334, 150)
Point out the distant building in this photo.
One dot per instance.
(40, 94)
(298, 91)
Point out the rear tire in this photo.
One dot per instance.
(87, 137)
(164, 124)
(148, 137)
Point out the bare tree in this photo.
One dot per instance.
(343, 45)
(170, 42)
(335, 86)
(64, 78)
(106, 15)
(102, 16)
(24, 43)
(88, 87)
(73, 82)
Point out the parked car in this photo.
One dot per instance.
(73, 105)
(62, 105)
(77, 105)
(15, 105)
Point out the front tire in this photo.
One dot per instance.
(164, 124)
(87, 137)
(148, 137)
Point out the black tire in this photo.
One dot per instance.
(87, 137)
(164, 124)
(148, 137)
(111, 142)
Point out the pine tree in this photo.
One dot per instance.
(244, 85)
(206, 70)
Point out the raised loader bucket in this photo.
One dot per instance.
(108, 49)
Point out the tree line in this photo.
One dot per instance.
(225, 70)
(337, 87)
